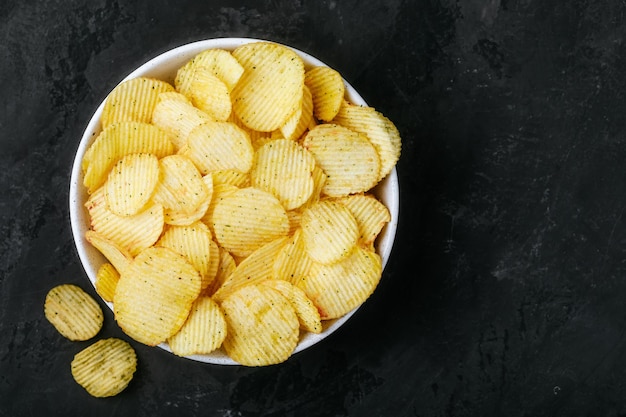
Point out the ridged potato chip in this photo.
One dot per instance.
(203, 332)
(133, 100)
(284, 168)
(176, 115)
(300, 120)
(218, 62)
(73, 312)
(307, 313)
(152, 310)
(105, 368)
(270, 89)
(338, 288)
(371, 215)
(106, 281)
(349, 160)
(226, 266)
(180, 187)
(230, 176)
(292, 263)
(381, 131)
(248, 218)
(329, 231)
(263, 327)
(119, 257)
(131, 182)
(210, 94)
(327, 91)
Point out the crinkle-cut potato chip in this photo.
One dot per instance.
(270, 88)
(308, 315)
(220, 191)
(203, 332)
(194, 243)
(225, 267)
(119, 257)
(327, 90)
(381, 131)
(348, 158)
(247, 219)
(218, 62)
(131, 182)
(73, 312)
(105, 368)
(152, 310)
(132, 233)
(295, 218)
(177, 116)
(133, 100)
(300, 120)
(181, 218)
(180, 187)
(319, 180)
(257, 138)
(210, 94)
(292, 263)
(258, 266)
(216, 146)
(371, 215)
(329, 230)
(284, 168)
(230, 176)
(106, 281)
(263, 327)
(338, 288)
(118, 140)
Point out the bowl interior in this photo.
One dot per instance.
(164, 67)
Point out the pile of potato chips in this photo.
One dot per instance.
(234, 204)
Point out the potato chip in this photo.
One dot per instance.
(133, 100)
(225, 267)
(119, 257)
(319, 180)
(181, 187)
(73, 312)
(263, 328)
(105, 368)
(218, 62)
(176, 115)
(106, 281)
(118, 140)
(284, 168)
(292, 263)
(301, 119)
(349, 160)
(216, 146)
(152, 310)
(307, 313)
(327, 91)
(203, 332)
(220, 191)
(210, 94)
(230, 176)
(257, 267)
(247, 219)
(270, 89)
(329, 231)
(131, 182)
(371, 215)
(338, 288)
(379, 129)
(131, 233)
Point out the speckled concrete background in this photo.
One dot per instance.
(505, 291)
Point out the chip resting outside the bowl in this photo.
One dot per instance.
(105, 368)
(73, 312)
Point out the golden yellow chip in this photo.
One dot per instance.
(220, 191)
(176, 115)
(307, 313)
(131, 233)
(106, 281)
(263, 328)
(329, 230)
(133, 100)
(271, 87)
(131, 182)
(284, 168)
(381, 131)
(225, 267)
(118, 140)
(119, 257)
(319, 180)
(348, 158)
(230, 176)
(203, 332)
(247, 219)
(194, 243)
(210, 94)
(327, 90)
(181, 187)
(338, 288)
(216, 146)
(257, 267)
(105, 368)
(292, 263)
(151, 310)
(218, 62)
(371, 215)
(73, 312)
(301, 119)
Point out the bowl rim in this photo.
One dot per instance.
(90, 258)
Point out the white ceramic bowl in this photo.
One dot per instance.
(164, 67)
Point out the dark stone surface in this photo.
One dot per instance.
(505, 291)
